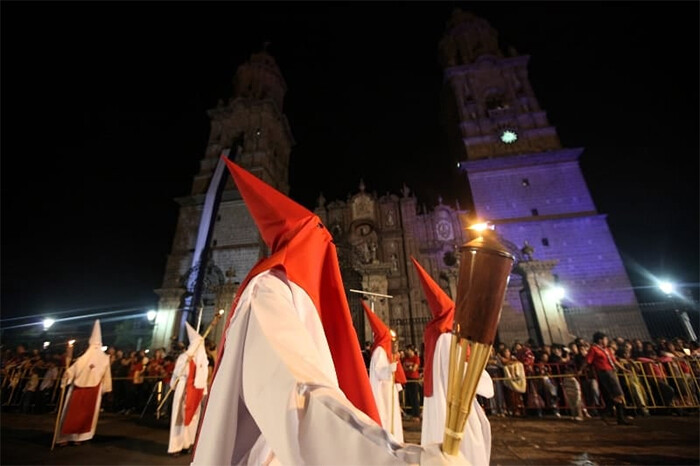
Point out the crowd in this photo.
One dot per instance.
(30, 379)
(661, 376)
(298, 382)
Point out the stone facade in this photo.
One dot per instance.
(532, 190)
(376, 237)
(253, 126)
(520, 179)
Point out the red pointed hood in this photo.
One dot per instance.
(443, 310)
(382, 334)
(301, 246)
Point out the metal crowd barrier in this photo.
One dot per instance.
(647, 384)
(15, 378)
(653, 384)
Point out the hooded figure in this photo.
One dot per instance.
(88, 378)
(476, 443)
(290, 385)
(382, 376)
(189, 381)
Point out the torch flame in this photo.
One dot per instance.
(481, 226)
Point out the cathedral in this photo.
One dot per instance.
(520, 179)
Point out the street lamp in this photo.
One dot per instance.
(558, 293)
(151, 315)
(667, 287)
(48, 322)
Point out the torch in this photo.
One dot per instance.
(485, 266)
(59, 410)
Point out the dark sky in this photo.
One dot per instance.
(104, 123)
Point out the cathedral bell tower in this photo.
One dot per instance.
(254, 129)
(532, 189)
(497, 110)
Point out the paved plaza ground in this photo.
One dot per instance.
(126, 440)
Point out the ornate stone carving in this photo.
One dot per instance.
(362, 206)
(390, 219)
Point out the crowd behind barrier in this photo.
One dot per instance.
(660, 376)
(30, 380)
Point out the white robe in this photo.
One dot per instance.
(385, 392)
(275, 398)
(183, 436)
(476, 443)
(89, 370)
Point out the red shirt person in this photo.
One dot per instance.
(411, 366)
(603, 360)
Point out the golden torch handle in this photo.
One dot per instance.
(465, 384)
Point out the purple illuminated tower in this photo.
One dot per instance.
(523, 181)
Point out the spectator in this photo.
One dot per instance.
(46, 387)
(637, 348)
(631, 383)
(411, 366)
(30, 389)
(601, 358)
(367, 353)
(120, 373)
(589, 383)
(533, 399)
(571, 387)
(550, 390)
(497, 403)
(515, 382)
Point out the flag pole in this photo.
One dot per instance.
(59, 411)
(213, 323)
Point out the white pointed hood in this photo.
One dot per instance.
(96, 337)
(90, 368)
(194, 337)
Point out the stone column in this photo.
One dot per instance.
(168, 316)
(548, 314)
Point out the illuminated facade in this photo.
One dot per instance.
(531, 188)
(519, 176)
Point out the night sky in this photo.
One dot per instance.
(104, 123)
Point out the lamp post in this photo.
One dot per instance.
(669, 289)
(558, 293)
(47, 323)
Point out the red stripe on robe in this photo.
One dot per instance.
(80, 411)
(193, 395)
